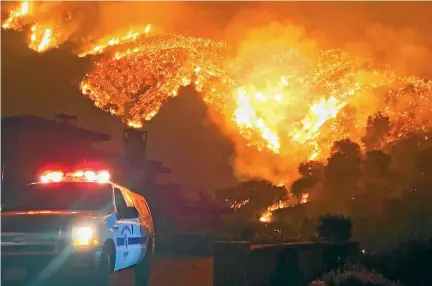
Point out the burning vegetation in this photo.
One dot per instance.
(281, 99)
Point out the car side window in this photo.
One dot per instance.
(123, 211)
(109, 207)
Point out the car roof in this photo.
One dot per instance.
(74, 182)
(114, 185)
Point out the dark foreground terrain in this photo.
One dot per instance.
(167, 271)
(182, 271)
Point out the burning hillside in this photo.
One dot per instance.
(281, 99)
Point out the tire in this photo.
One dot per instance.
(104, 269)
(142, 269)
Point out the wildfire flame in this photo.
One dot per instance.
(42, 38)
(267, 216)
(135, 124)
(281, 106)
(16, 15)
(237, 205)
(114, 41)
(247, 119)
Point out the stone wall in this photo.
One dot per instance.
(239, 263)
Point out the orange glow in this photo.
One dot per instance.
(279, 97)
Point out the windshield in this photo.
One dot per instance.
(61, 196)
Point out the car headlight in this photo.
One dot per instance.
(84, 236)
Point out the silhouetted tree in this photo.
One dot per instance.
(376, 173)
(422, 172)
(311, 173)
(377, 163)
(377, 129)
(311, 169)
(406, 156)
(423, 163)
(334, 227)
(343, 169)
(299, 186)
(346, 148)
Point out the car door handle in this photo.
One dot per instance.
(115, 226)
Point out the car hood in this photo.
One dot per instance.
(41, 220)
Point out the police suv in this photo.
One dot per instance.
(78, 225)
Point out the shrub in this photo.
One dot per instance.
(354, 278)
(408, 263)
(226, 237)
(334, 228)
(248, 232)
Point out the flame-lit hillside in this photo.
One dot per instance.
(280, 101)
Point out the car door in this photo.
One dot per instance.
(125, 231)
(134, 220)
(146, 224)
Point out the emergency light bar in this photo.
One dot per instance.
(77, 176)
(52, 176)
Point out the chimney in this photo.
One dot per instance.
(65, 119)
(135, 143)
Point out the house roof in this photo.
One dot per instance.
(34, 122)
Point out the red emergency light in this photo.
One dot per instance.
(55, 176)
(52, 176)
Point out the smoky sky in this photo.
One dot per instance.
(181, 136)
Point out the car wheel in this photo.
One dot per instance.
(142, 269)
(104, 269)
